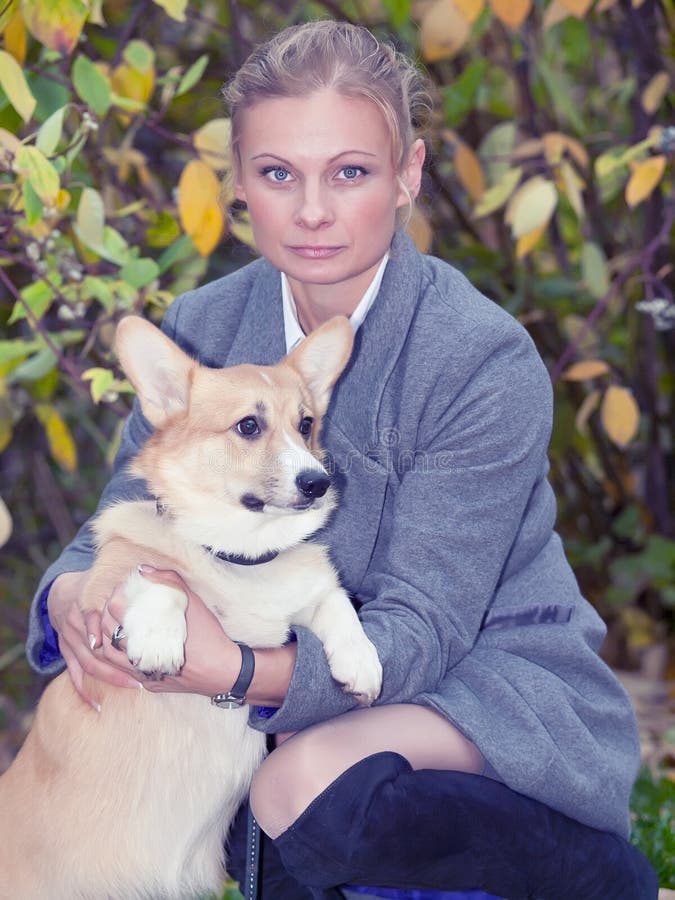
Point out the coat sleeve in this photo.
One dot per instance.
(78, 555)
(476, 487)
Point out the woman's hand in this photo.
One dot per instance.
(212, 660)
(80, 635)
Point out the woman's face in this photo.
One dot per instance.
(318, 177)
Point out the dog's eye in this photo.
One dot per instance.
(248, 427)
(306, 426)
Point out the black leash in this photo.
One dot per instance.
(253, 839)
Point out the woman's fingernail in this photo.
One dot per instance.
(92, 641)
(95, 706)
(145, 570)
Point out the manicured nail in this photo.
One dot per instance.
(92, 641)
(95, 706)
(145, 570)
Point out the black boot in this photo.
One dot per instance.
(274, 882)
(380, 824)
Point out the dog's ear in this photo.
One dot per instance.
(156, 367)
(322, 356)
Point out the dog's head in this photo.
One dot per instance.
(235, 454)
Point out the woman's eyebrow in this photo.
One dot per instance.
(331, 160)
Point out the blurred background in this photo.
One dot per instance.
(549, 184)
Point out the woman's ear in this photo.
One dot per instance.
(411, 174)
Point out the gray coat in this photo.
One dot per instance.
(437, 434)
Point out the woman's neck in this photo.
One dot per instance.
(316, 303)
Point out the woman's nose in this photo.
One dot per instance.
(314, 210)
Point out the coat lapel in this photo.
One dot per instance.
(260, 335)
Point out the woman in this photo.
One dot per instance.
(502, 751)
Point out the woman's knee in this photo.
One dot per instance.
(288, 780)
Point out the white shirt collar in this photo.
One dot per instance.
(292, 330)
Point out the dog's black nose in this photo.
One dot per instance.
(312, 484)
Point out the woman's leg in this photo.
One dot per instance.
(351, 803)
(304, 765)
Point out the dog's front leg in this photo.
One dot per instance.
(352, 657)
(154, 624)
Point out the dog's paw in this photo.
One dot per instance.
(356, 666)
(155, 627)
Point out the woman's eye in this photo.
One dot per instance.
(306, 426)
(277, 174)
(248, 427)
(351, 173)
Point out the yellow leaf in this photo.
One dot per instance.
(15, 38)
(529, 241)
(174, 8)
(469, 171)
(5, 523)
(14, 84)
(531, 206)
(604, 5)
(7, 11)
(587, 368)
(9, 142)
(644, 178)
(586, 410)
(59, 438)
(56, 24)
(572, 186)
(578, 8)
(198, 207)
(212, 142)
(655, 91)
(420, 231)
(443, 31)
(554, 15)
(43, 177)
(499, 193)
(132, 83)
(620, 415)
(511, 12)
(241, 229)
(470, 9)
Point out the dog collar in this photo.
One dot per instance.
(240, 560)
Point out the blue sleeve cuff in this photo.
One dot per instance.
(49, 652)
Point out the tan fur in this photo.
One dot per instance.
(134, 802)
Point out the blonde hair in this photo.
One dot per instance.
(324, 54)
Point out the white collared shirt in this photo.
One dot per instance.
(292, 330)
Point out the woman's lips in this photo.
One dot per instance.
(315, 252)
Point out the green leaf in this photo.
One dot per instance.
(92, 85)
(459, 98)
(139, 272)
(16, 349)
(14, 85)
(399, 11)
(139, 55)
(101, 381)
(40, 172)
(37, 297)
(33, 206)
(179, 251)
(164, 231)
(50, 132)
(193, 75)
(35, 368)
(561, 93)
(90, 219)
(594, 271)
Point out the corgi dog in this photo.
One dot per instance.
(134, 802)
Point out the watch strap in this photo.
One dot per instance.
(236, 696)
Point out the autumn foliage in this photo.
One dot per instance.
(550, 186)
